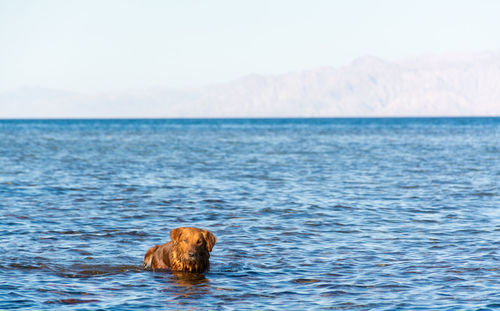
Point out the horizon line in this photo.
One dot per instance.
(243, 118)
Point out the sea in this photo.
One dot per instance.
(309, 214)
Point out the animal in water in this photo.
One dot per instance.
(188, 250)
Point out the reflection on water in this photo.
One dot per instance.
(350, 214)
(188, 279)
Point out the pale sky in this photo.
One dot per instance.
(99, 45)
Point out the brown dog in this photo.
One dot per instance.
(188, 250)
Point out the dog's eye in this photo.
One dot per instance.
(185, 240)
(199, 241)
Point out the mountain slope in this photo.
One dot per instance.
(447, 85)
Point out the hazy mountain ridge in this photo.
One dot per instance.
(446, 85)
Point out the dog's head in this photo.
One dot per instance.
(192, 245)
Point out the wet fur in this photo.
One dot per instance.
(188, 250)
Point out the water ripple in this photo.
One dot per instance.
(356, 214)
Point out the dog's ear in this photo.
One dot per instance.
(175, 234)
(210, 239)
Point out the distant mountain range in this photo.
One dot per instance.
(442, 85)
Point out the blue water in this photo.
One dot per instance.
(353, 214)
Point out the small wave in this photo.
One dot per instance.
(86, 271)
(27, 267)
(341, 206)
(72, 301)
(103, 233)
(409, 186)
(69, 232)
(214, 201)
(305, 281)
(76, 270)
(485, 194)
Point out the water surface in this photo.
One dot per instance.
(350, 214)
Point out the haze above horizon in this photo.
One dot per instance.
(92, 46)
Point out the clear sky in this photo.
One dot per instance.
(97, 45)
